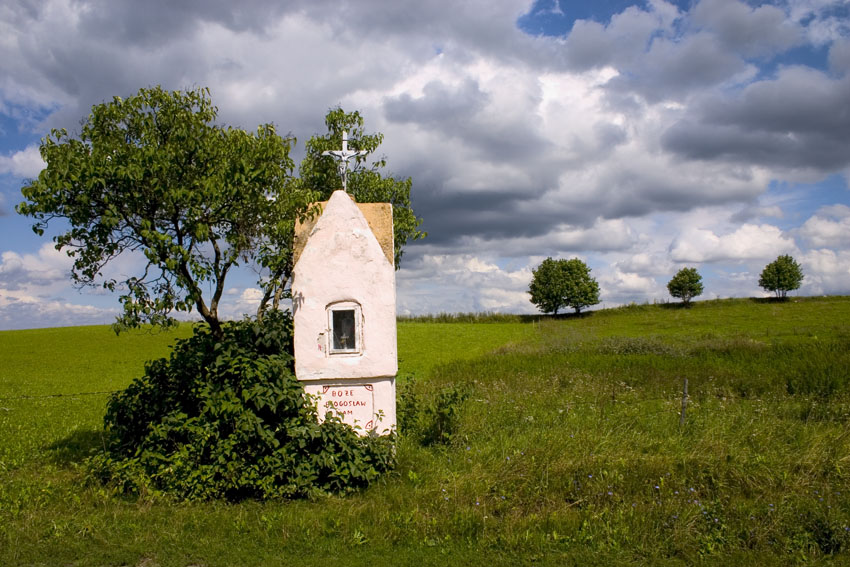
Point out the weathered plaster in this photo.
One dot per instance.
(378, 215)
(342, 260)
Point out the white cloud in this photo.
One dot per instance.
(839, 55)
(23, 311)
(435, 283)
(822, 24)
(617, 286)
(504, 300)
(560, 240)
(47, 269)
(751, 31)
(749, 242)
(31, 289)
(826, 272)
(239, 302)
(24, 163)
(829, 227)
(647, 263)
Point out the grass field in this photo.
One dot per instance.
(567, 450)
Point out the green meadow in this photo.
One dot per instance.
(559, 441)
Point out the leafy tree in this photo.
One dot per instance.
(155, 175)
(685, 285)
(781, 276)
(563, 283)
(547, 286)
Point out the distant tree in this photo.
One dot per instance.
(563, 283)
(548, 286)
(154, 174)
(685, 285)
(781, 276)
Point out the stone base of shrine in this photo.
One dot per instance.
(367, 404)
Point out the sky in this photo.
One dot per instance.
(639, 136)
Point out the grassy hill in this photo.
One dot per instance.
(561, 442)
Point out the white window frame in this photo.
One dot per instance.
(358, 328)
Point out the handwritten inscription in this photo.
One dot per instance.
(353, 403)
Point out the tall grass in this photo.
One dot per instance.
(559, 442)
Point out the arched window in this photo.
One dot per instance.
(345, 328)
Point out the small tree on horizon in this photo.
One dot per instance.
(563, 283)
(781, 276)
(685, 285)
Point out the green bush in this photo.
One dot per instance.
(227, 419)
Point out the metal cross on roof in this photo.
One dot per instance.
(343, 156)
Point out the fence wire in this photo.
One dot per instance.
(48, 396)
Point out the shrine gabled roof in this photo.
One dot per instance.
(379, 216)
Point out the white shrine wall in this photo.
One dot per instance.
(343, 266)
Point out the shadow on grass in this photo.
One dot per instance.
(770, 299)
(76, 447)
(568, 315)
(677, 305)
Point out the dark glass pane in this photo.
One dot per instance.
(343, 330)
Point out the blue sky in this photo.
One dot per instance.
(641, 137)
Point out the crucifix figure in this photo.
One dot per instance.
(343, 156)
